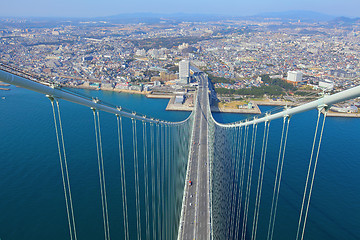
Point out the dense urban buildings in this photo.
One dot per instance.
(238, 54)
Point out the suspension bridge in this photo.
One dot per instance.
(193, 179)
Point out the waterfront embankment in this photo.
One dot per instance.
(111, 89)
(338, 114)
(188, 105)
(2, 85)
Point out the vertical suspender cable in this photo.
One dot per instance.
(122, 175)
(235, 182)
(103, 176)
(173, 179)
(169, 180)
(158, 180)
(146, 179)
(170, 160)
(313, 173)
(260, 179)
(136, 168)
(153, 196)
(67, 190)
(250, 171)
(242, 173)
(170, 177)
(163, 180)
(278, 177)
(232, 176)
(176, 166)
(166, 180)
(100, 165)
(308, 174)
(232, 183)
(66, 168)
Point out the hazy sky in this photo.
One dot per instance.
(94, 8)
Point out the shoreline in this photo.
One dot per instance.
(345, 115)
(273, 103)
(111, 90)
(159, 96)
(187, 108)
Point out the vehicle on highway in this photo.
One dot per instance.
(190, 183)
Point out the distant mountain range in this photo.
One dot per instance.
(297, 15)
(284, 16)
(147, 17)
(158, 17)
(345, 21)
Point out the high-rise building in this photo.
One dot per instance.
(326, 84)
(294, 76)
(184, 71)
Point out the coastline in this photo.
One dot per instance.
(273, 103)
(159, 96)
(111, 90)
(346, 115)
(188, 108)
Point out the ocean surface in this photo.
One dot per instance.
(32, 201)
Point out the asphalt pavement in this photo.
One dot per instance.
(196, 214)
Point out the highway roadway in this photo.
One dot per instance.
(195, 222)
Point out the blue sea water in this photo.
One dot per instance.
(32, 202)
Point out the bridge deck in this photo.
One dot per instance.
(196, 214)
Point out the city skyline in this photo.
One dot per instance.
(92, 8)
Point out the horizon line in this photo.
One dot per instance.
(166, 14)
